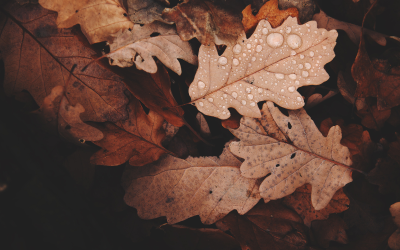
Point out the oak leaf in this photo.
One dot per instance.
(210, 187)
(138, 47)
(144, 12)
(137, 139)
(207, 21)
(268, 11)
(39, 57)
(332, 229)
(270, 65)
(294, 152)
(98, 18)
(266, 226)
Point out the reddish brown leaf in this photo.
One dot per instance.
(332, 229)
(268, 11)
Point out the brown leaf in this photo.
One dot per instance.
(98, 19)
(210, 187)
(39, 57)
(308, 157)
(270, 65)
(268, 11)
(394, 240)
(137, 139)
(300, 201)
(138, 46)
(205, 20)
(144, 11)
(332, 229)
(317, 98)
(269, 226)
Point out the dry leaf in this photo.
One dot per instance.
(144, 12)
(300, 201)
(306, 8)
(332, 229)
(210, 187)
(207, 21)
(317, 98)
(204, 128)
(98, 18)
(269, 226)
(137, 139)
(143, 42)
(270, 65)
(394, 240)
(268, 11)
(41, 57)
(294, 152)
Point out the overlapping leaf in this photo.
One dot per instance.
(294, 152)
(144, 12)
(210, 187)
(270, 65)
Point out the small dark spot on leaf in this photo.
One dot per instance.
(277, 165)
(125, 14)
(130, 29)
(76, 11)
(289, 125)
(210, 192)
(293, 155)
(154, 34)
(169, 200)
(82, 141)
(76, 84)
(141, 24)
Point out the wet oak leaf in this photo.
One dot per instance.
(267, 226)
(304, 156)
(210, 187)
(139, 46)
(270, 65)
(300, 201)
(268, 11)
(137, 139)
(98, 19)
(207, 21)
(39, 57)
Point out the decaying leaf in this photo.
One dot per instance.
(205, 20)
(268, 11)
(139, 46)
(300, 201)
(294, 152)
(269, 226)
(394, 240)
(270, 65)
(39, 57)
(137, 139)
(210, 187)
(144, 12)
(98, 18)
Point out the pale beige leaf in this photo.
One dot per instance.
(271, 65)
(138, 47)
(98, 18)
(210, 187)
(306, 156)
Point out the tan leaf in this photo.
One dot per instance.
(270, 65)
(305, 156)
(138, 47)
(144, 11)
(98, 18)
(137, 139)
(210, 187)
(300, 201)
(394, 240)
(269, 226)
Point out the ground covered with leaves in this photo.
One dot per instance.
(200, 124)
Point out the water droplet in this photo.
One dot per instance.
(297, 82)
(292, 76)
(201, 104)
(308, 25)
(292, 53)
(300, 66)
(304, 73)
(301, 56)
(222, 60)
(275, 40)
(243, 102)
(237, 49)
(248, 90)
(311, 53)
(224, 95)
(307, 65)
(223, 107)
(288, 29)
(252, 104)
(324, 47)
(291, 89)
(316, 32)
(282, 90)
(299, 99)
(201, 85)
(250, 96)
(260, 90)
(244, 54)
(294, 41)
(294, 61)
(258, 48)
(210, 99)
(235, 62)
(261, 40)
(248, 46)
(279, 76)
(265, 31)
(253, 59)
(234, 94)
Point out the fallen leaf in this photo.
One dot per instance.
(139, 46)
(332, 229)
(270, 12)
(352, 30)
(306, 8)
(267, 226)
(233, 121)
(317, 98)
(210, 187)
(394, 240)
(294, 152)
(98, 19)
(207, 21)
(137, 139)
(270, 65)
(300, 201)
(39, 57)
(144, 12)
(204, 128)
